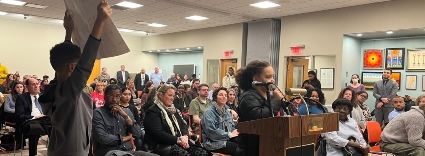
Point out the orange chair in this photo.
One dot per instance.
(374, 135)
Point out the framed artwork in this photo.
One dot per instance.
(423, 82)
(415, 59)
(394, 58)
(369, 79)
(373, 59)
(327, 76)
(396, 76)
(411, 82)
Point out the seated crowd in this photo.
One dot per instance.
(149, 116)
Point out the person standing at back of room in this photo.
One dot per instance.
(72, 109)
(384, 91)
(122, 77)
(156, 77)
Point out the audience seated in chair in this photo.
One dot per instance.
(313, 106)
(199, 105)
(166, 132)
(9, 104)
(347, 128)
(398, 104)
(218, 128)
(113, 127)
(404, 134)
(124, 103)
(27, 107)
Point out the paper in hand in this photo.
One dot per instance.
(84, 13)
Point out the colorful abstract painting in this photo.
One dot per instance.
(394, 58)
(373, 59)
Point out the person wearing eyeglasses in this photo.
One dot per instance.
(362, 96)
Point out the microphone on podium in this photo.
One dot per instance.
(266, 84)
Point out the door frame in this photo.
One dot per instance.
(220, 78)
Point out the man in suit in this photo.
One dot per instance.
(141, 79)
(27, 107)
(122, 76)
(384, 91)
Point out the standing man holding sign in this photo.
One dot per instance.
(72, 110)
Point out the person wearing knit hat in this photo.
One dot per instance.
(348, 128)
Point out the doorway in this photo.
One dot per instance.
(225, 64)
(297, 71)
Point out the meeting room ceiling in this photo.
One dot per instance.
(172, 13)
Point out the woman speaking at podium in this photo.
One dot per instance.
(253, 103)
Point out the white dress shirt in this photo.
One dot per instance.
(35, 111)
(123, 76)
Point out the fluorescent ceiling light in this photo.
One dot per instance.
(187, 48)
(2, 13)
(35, 6)
(199, 47)
(264, 4)
(156, 25)
(158, 50)
(177, 49)
(390, 32)
(13, 2)
(150, 51)
(359, 35)
(130, 5)
(59, 21)
(196, 18)
(125, 30)
(167, 50)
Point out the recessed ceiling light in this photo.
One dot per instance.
(187, 48)
(359, 35)
(2, 13)
(199, 47)
(150, 51)
(35, 6)
(125, 30)
(264, 4)
(156, 25)
(13, 2)
(167, 50)
(196, 18)
(390, 32)
(130, 5)
(158, 50)
(177, 49)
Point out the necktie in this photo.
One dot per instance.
(385, 82)
(38, 104)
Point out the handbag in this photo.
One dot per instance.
(321, 146)
(350, 150)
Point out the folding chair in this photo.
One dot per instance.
(374, 135)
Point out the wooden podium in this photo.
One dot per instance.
(282, 136)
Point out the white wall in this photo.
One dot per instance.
(322, 32)
(214, 40)
(325, 62)
(25, 48)
(351, 54)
